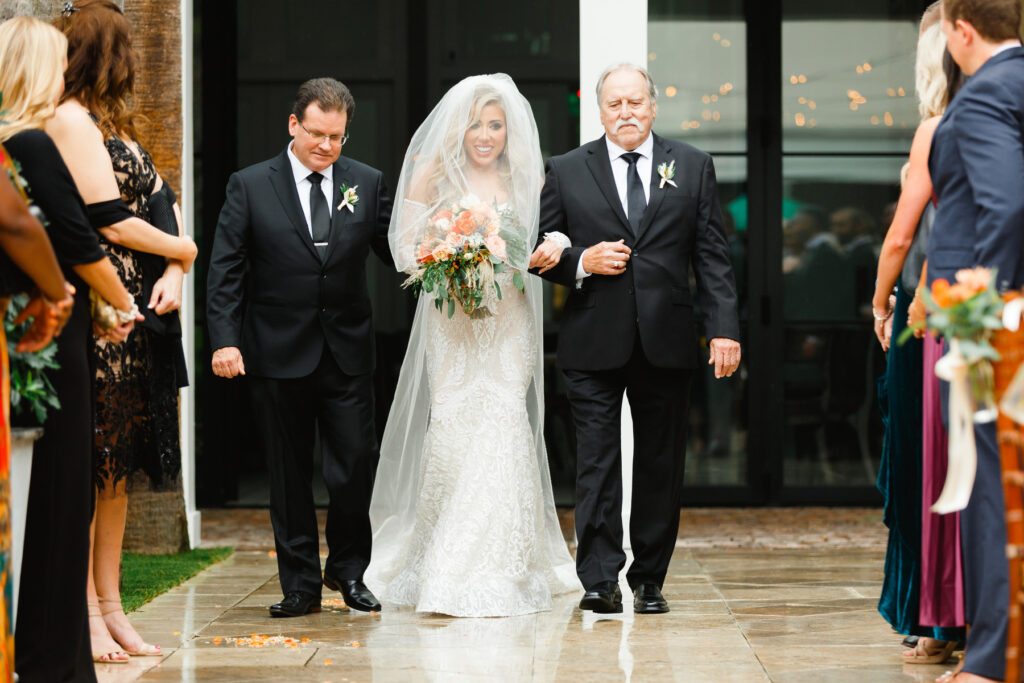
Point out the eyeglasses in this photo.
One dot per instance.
(320, 137)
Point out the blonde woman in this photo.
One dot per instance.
(900, 478)
(52, 603)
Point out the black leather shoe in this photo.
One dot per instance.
(647, 599)
(603, 598)
(354, 592)
(295, 604)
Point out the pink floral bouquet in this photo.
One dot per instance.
(464, 245)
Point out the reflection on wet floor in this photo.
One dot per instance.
(756, 595)
(789, 615)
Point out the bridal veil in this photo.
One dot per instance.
(433, 176)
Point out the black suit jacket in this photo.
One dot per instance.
(977, 168)
(268, 291)
(681, 228)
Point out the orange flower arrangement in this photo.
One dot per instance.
(967, 310)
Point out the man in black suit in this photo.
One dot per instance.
(628, 326)
(288, 304)
(977, 168)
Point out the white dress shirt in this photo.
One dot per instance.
(619, 168)
(302, 184)
(1003, 47)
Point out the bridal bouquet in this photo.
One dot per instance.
(464, 245)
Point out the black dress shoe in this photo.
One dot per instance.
(647, 599)
(354, 592)
(295, 604)
(603, 598)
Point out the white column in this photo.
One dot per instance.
(188, 396)
(611, 31)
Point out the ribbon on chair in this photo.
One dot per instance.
(963, 454)
(1013, 400)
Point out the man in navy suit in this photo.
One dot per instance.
(977, 168)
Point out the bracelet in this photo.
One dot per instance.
(129, 315)
(880, 318)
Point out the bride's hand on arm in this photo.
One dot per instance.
(547, 255)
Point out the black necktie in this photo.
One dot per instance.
(319, 214)
(636, 202)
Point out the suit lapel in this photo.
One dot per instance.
(601, 168)
(342, 176)
(661, 155)
(283, 182)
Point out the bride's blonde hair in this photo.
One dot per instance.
(444, 180)
(31, 76)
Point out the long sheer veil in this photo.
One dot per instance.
(433, 177)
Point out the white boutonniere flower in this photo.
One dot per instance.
(349, 198)
(667, 173)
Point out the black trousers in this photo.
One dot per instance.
(288, 411)
(658, 399)
(55, 558)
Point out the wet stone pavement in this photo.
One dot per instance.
(782, 595)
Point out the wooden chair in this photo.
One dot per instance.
(1011, 451)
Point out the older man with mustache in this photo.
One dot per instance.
(645, 211)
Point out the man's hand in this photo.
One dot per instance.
(606, 258)
(167, 290)
(227, 362)
(725, 356)
(546, 256)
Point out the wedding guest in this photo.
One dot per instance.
(52, 604)
(135, 420)
(977, 167)
(900, 474)
(27, 251)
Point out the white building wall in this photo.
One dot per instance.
(611, 31)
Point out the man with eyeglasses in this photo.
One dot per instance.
(288, 307)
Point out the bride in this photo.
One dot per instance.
(463, 515)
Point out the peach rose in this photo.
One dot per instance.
(977, 279)
(465, 224)
(496, 246)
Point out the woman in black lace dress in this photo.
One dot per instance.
(136, 384)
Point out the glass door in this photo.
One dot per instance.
(808, 110)
(697, 54)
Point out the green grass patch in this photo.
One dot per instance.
(143, 577)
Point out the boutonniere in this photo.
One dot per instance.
(349, 198)
(667, 171)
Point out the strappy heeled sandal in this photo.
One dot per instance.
(105, 656)
(929, 655)
(106, 607)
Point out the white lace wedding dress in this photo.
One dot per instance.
(479, 544)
